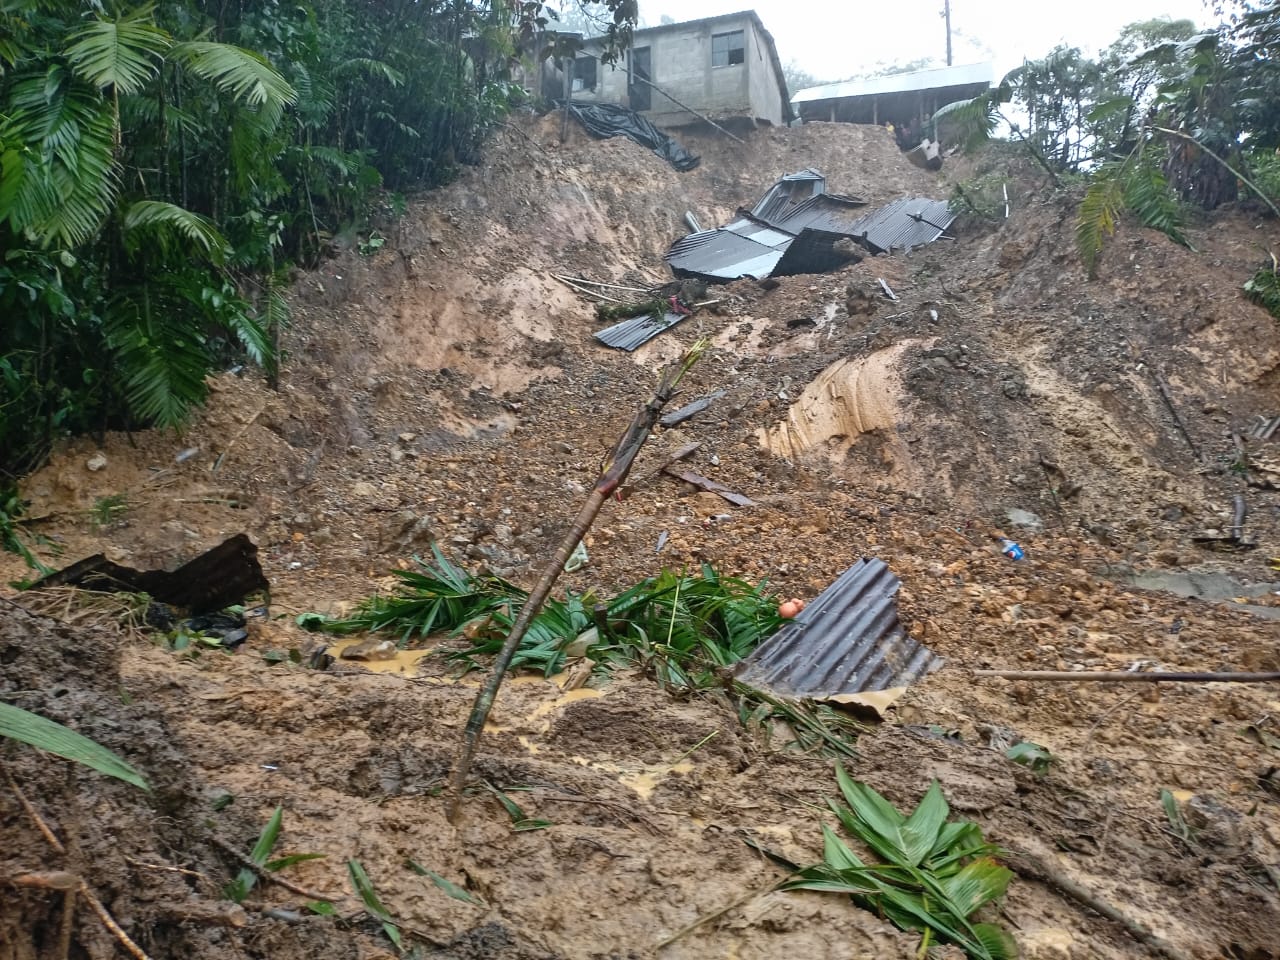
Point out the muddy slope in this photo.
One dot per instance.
(447, 389)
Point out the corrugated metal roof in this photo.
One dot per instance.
(755, 243)
(963, 75)
(637, 331)
(723, 255)
(848, 640)
(910, 222)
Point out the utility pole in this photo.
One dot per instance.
(946, 12)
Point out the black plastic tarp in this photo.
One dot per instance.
(606, 120)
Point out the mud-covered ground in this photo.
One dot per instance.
(447, 389)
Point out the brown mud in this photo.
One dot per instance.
(446, 389)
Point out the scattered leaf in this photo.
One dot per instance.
(448, 886)
(62, 741)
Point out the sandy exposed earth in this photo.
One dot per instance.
(447, 389)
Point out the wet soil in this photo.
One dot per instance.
(447, 389)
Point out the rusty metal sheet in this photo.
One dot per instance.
(848, 640)
(910, 222)
(634, 332)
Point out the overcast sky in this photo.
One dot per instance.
(834, 39)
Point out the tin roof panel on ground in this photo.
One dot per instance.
(723, 255)
(637, 331)
(848, 640)
(910, 222)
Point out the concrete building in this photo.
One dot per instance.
(723, 67)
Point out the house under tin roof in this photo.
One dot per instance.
(900, 99)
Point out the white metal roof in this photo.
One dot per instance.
(901, 82)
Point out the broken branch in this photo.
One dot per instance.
(267, 875)
(1034, 868)
(612, 474)
(109, 922)
(1151, 676)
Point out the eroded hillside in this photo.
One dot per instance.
(446, 388)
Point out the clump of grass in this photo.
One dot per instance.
(934, 876)
(108, 509)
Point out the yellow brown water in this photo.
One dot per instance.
(402, 661)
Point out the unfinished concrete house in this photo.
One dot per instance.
(725, 68)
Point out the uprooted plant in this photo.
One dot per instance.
(681, 628)
(934, 876)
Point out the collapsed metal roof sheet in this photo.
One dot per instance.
(637, 331)
(910, 222)
(847, 641)
(759, 242)
(724, 255)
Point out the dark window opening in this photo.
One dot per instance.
(728, 49)
(584, 74)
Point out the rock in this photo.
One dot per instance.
(96, 462)
(407, 437)
(1025, 519)
(363, 490)
(370, 649)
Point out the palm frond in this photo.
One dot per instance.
(243, 74)
(1098, 213)
(163, 221)
(370, 68)
(123, 53)
(1148, 194)
(159, 352)
(253, 336)
(60, 135)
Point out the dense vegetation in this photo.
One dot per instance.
(162, 165)
(1164, 120)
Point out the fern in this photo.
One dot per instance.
(1099, 211)
(122, 54)
(1263, 288)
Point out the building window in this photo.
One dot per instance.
(728, 49)
(584, 74)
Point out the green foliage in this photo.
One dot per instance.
(12, 537)
(1136, 185)
(372, 904)
(1173, 813)
(681, 628)
(933, 875)
(1263, 288)
(159, 162)
(240, 888)
(1031, 755)
(108, 509)
(26, 727)
(520, 821)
